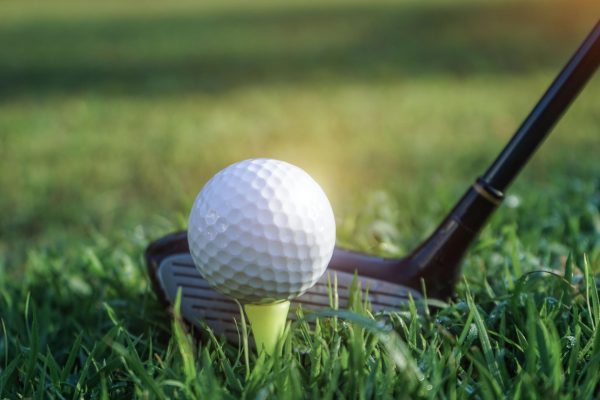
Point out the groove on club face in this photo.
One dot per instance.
(199, 302)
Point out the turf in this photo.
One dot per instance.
(113, 114)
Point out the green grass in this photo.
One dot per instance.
(113, 115)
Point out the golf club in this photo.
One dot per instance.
(434, 264)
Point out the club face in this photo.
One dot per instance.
(171, 268)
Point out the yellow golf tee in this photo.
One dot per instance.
(267, 322)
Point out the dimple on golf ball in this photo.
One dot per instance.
(261, 230)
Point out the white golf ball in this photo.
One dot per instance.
(261, 230)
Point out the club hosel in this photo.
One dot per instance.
(436, 260)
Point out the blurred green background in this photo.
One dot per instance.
(114, 114)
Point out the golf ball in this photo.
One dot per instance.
(261, 230)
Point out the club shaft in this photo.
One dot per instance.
(436, 262)
(546, 113)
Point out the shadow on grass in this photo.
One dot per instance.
(214, 53)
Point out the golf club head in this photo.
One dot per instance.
(170, 267)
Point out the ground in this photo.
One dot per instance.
(113, 115)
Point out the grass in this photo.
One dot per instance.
(112, 116)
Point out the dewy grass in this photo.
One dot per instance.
(83, 323)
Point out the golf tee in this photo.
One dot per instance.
(267, 322)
